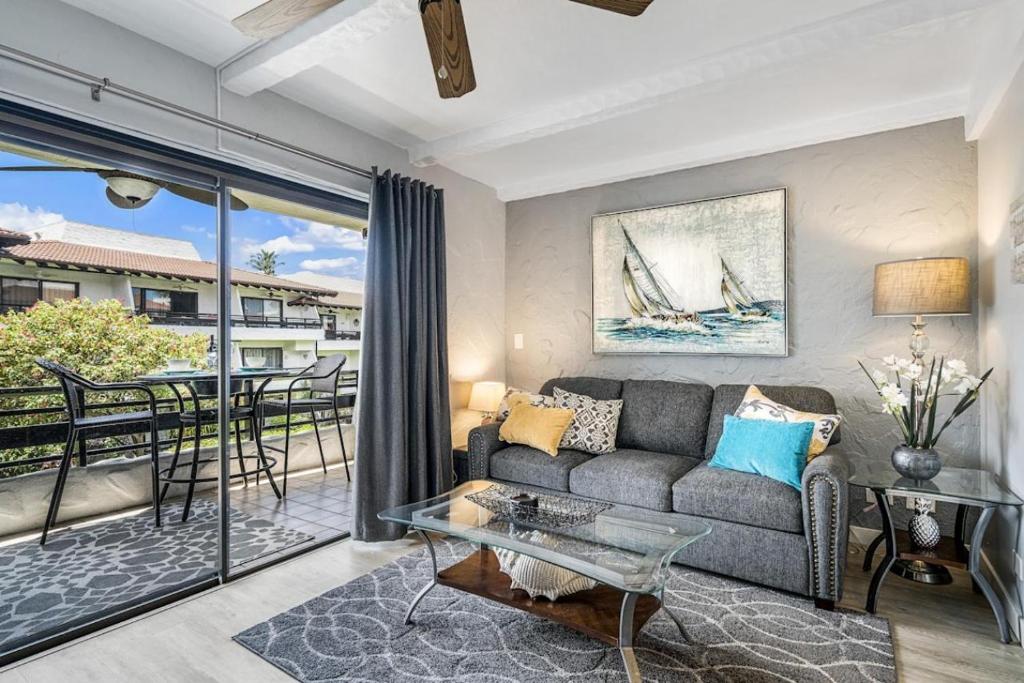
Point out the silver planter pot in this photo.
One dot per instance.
(920, 464)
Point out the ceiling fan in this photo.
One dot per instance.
(443, 25)
(133, 191)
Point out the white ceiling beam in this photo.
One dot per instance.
(1001, 58)
(830, 36)
(799, 134)
(315, 41)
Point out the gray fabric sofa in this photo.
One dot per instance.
(763, 531)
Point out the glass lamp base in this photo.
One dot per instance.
(922, 572)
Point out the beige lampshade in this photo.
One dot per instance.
(486, 396)
(925, 286)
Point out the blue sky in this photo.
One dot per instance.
(33, 199)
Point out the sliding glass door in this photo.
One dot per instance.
(164, 273)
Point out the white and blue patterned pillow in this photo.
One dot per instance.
(594, 427)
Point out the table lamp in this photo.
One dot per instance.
(485, 397)
(922, 287)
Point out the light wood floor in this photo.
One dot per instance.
(941, 633)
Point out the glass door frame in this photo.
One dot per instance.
(47, 131)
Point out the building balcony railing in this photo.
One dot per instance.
(210, 320)
(26, 425)
(353, 335)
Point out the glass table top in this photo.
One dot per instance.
(954, 484)
(618, 548)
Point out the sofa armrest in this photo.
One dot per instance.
(826, 521)
(483, 443)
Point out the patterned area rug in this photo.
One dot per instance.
(739, 632)
(86, 573)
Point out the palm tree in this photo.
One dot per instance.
(266, 262)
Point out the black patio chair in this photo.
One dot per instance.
(320, 380)
(197, 417)
(74, 387)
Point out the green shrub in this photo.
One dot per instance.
(101, 340)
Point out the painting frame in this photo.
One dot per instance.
(784, 345)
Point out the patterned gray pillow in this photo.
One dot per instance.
(595, 425)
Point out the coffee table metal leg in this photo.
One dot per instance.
(974, 566)
(890, 550)
(675, 619)
(433, 581)
(626, 637)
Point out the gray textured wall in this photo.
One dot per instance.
(852, 204)
(1000, 184)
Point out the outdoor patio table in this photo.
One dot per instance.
(193, 381)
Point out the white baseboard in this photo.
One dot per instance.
(1014, 616)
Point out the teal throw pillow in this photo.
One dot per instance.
(772, 449)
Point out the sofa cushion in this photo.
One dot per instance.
(525, 465)
(594, 387)
(666, 417)
(631, 477)
(739, 497)
(729, 396)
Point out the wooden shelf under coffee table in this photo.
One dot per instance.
(593, 612)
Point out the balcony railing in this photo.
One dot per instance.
(52, 427)
(210, 320)
(342, 334)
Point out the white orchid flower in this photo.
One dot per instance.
(957, 368)
(879, 378)
(912, 371)
(968, 383)
(893, 396)
(891, 362)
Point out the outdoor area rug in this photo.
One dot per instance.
(89, 572)
(738, 632)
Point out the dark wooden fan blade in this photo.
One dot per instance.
(633, 8)
(124, 203)
(203, 196)
(48, 168)
(277, 16)
(445, 29)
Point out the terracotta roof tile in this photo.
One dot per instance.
(83, 256)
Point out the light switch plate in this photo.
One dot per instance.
(517, 342)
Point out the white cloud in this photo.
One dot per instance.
(323, 234)
(346, 263)
(282, 245)
(200, 230)
(16, 216)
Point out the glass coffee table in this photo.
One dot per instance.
(967, 488)
(627, 555)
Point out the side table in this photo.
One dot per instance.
(966, 488)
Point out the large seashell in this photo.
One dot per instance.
(537, 577)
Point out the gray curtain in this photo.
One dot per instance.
(404, 442)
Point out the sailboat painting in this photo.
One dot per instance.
(705, 277)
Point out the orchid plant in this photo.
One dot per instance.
(910, 393)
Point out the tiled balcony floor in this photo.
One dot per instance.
(317, 504)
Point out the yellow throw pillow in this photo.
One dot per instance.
(756, 406)
(540, 428)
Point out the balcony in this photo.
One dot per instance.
(342, 335)
(210, 320)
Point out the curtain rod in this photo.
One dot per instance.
(99, 85)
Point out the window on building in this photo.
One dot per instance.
(329, 322)
(263, 357)
(262, 309)
(164, 301)
(23, 292)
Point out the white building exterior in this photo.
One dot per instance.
(286, 321)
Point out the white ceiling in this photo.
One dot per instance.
(570, 96)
